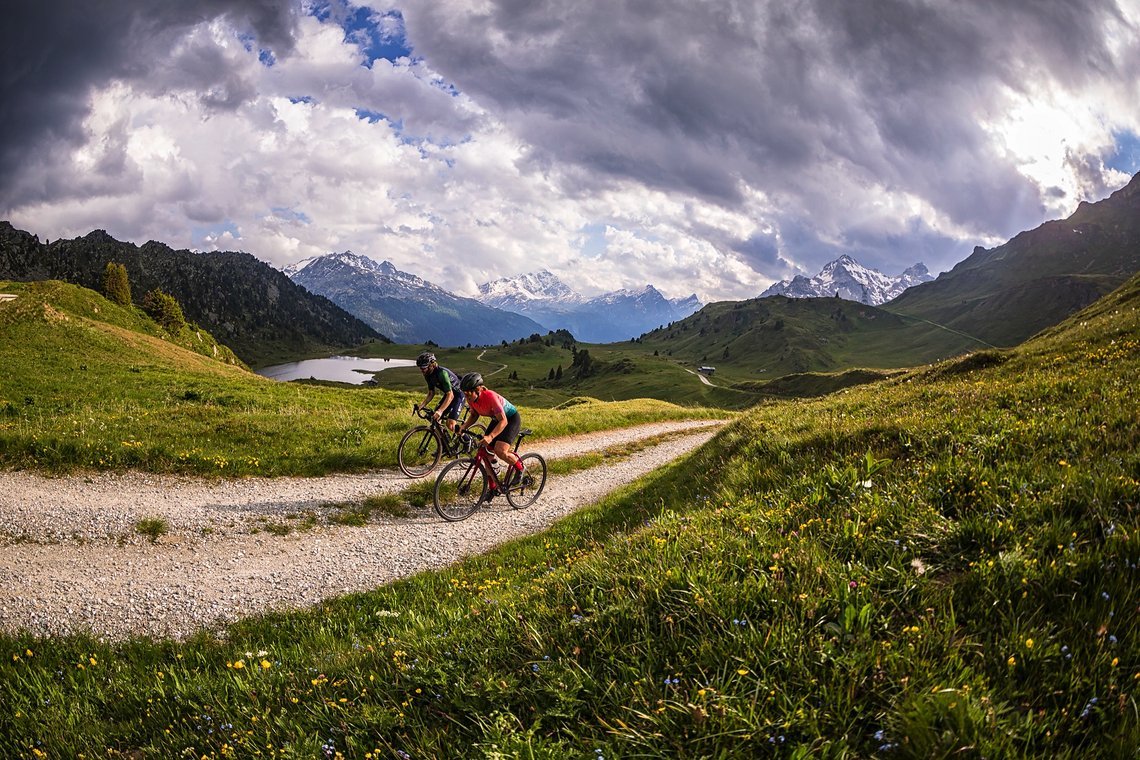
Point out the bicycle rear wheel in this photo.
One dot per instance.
(521, 495)
(419, 452)
(459, 490)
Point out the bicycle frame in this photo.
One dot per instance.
(440, 426)
(465, 484)
(422, 447)
(485, 460)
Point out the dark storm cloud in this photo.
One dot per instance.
(915, 242)
(762, 253)
(702, 97)
(56, 51)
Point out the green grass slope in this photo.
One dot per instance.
(87, 383)
(56, 304)
(767, 338)
(942, 564)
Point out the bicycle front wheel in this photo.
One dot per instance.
(525, 493)
(419, 452)
(459, 490)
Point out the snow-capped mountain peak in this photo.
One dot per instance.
(648, 294)
(617, 315)
(403, 306)
(533, 286)
(347, 263)
(849, 279)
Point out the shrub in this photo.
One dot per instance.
(164, 309)
(152, 528)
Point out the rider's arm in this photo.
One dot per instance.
(430, 392)
(499, 426)
(498, 416)
(443, 382)
(472, 415)
(444, 402)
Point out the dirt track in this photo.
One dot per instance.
(72, 559)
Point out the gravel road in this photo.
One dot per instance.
(73, 561)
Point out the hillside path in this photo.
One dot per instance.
(704, 379)
(71, 560)
(488, 361)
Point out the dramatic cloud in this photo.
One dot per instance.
(830, 109)
(56, 53)
(709, 147)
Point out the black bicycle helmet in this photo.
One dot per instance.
(425, 359)
(470, 381)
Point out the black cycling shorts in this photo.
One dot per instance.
(455, 408)
(511, 431)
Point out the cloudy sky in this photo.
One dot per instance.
(708, 146)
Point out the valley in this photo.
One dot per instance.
(956, 544)
(906, 530)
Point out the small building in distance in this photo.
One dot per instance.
(706, 370)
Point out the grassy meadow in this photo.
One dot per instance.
(89, 384)
(763, 339)
(623, 372)
(940, 564)
(762, 348)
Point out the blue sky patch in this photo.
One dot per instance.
(198, 235)
(370, 116)
(378, 35)
(249, 42)
(1126, 157)
(593, 240)
(282, 212)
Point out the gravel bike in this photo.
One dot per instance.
(423, 446)
(468, 482)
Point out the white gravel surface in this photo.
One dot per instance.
(71, 558)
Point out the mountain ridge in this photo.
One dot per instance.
(245, 303)
(1006, 294)
(405, 306)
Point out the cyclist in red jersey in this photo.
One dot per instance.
(505, 419)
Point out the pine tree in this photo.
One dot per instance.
(116, 285)
(558, 373)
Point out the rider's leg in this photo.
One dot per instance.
(503, 451)
(454, 413)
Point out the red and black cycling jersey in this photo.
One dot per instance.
(491, 404)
